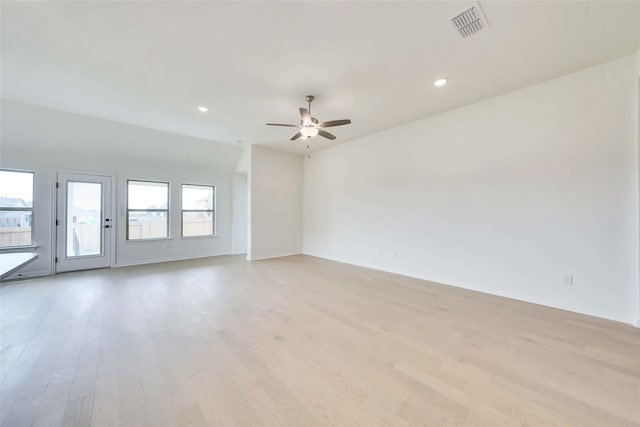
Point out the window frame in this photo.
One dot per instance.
(212, 211)
(167, 210)
(31, 209)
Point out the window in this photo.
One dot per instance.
(16, 208)
(147, 210)
(198, 210)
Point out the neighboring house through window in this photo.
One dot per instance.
(198, 210)
(16, 208)
(147, 210)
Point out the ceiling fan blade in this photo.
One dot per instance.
(334, 123)
(326, 134)
(280, 124)
(306, 117)
(296, 136)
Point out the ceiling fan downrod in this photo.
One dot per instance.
(309, 99)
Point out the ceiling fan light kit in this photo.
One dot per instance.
(310, 126)
(309, 131)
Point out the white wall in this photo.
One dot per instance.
(239, 222)
(275, 203)
(244, 161)
(43, 140)
(505, 196)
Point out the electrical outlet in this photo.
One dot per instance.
(567, 280)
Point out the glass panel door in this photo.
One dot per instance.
(83, 222)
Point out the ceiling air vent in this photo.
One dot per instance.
(470, 21)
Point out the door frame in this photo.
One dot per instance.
(54, 209)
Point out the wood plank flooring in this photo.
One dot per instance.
(301, 341)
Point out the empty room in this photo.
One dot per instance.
(305, 213)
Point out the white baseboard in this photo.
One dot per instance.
(280, 255)
(170, 259)
(476, 289)
(30, 275)
(36, 274)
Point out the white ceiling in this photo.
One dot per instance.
(153, 63)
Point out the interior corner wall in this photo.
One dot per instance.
(44, 140)
(507, 196)
(239, 223)
(275, 185)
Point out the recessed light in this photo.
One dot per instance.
(440, 82)
(203, 109)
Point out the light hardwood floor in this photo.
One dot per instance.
(301, 341)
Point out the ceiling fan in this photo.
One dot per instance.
(310, 126)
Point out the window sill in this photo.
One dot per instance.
(29, 248)
(157, 239)
(208, 236)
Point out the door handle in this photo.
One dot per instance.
(107, 226)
